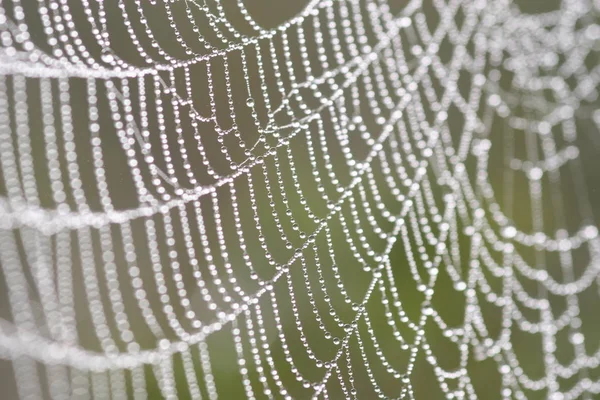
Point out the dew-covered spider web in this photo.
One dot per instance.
(343, 199)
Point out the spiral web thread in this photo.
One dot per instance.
(193, 202)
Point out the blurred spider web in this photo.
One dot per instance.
(371, 199)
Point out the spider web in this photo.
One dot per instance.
(372, 199)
